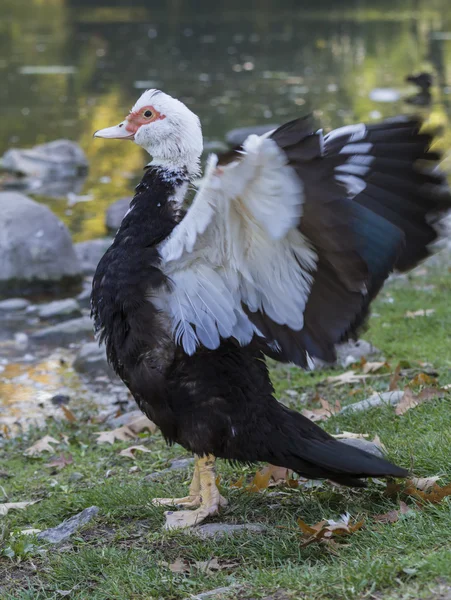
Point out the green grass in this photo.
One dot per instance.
(121, 553)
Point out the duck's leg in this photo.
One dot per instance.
(190, 501)
(210, 499)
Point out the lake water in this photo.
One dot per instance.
(71, 67)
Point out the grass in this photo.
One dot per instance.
(123, 553)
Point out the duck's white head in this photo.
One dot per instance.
(163, 126)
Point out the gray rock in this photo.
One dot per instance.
(74, 330)
(366, 445)
(54, 160)
(59, 308)
(65, 529)
(178, 463)
(35, 246)
(84, 298)
(236, 137)
(348, 353)
(115, 213)
(218, 530)
(91, 361)
(217, 592)
(89, 253)
(392, 398)
(13, 304)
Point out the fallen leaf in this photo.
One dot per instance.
(123, 434)
(278, 475)
(7, 506)
(422, 379)
(346, 378)
(328, 529)
(68, 414)
(130, 452)
(141, 424)
(420, 313)
(434, 493)
(373, 367)
(393, 515)
(180, 565)
(238, 484)
(323, 413)
(424, 483)
(42, 445)
(260, 482)
(411, 400)
(59, 462)
(393, 385)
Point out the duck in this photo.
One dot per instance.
(280, 254)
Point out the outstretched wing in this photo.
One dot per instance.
(238, 251)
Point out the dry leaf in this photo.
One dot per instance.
(260, 482)
(434, 493)
(393, 385)
(238, 484)
(278, 475)
(42, 445)
(373, 367)
(410, 400)
(130, 452)
(123, 434)
(323, 413)
(346, 378)
(7, 506)
(393, 515)
(420, 313)
(59, 462)
(68, 414)
(180, 565)
(422, 379)
(326, 530)
(141, 424)
(424, 483)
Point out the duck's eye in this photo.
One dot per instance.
(148, 114)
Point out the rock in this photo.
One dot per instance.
(65, 529)
(392, 398)
(116, 212)
(91, 361)
(74, 477)
(352, 351)
(59, 308)
(54, 160)
(13, 304)
(21, 340)
(89, 253)
(348, 353)
(35, 246)
(62, 334)
(179, 463)
(236, 137)
(366, 445)
(84, 298)
(218, 530)
(221, 592)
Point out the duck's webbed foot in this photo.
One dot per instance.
(203, 493)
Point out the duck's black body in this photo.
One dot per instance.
(221, 402)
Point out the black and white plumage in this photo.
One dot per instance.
(280, 254)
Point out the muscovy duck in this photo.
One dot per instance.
(280, 254)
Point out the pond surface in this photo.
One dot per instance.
(69, 67)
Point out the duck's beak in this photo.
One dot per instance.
(117, 132)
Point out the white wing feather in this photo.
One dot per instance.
(238, 244)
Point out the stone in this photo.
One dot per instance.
(236, 137)
(177, 464)
(60, 399)
(89, 253)
(365, 445)
(91, 361)
(65, 333)
(218, 530)
(348, 353)
(59, 308)
(84, 298)
(13, 304)
(220, 592)
(58, 159)
(64, 530)
(35, 247)
(392, 398)
(115, 213)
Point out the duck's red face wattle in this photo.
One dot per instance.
(128, 128)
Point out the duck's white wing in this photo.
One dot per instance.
(237, 250)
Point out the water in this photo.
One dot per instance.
(69, 67)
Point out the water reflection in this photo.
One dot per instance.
(70, 67)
